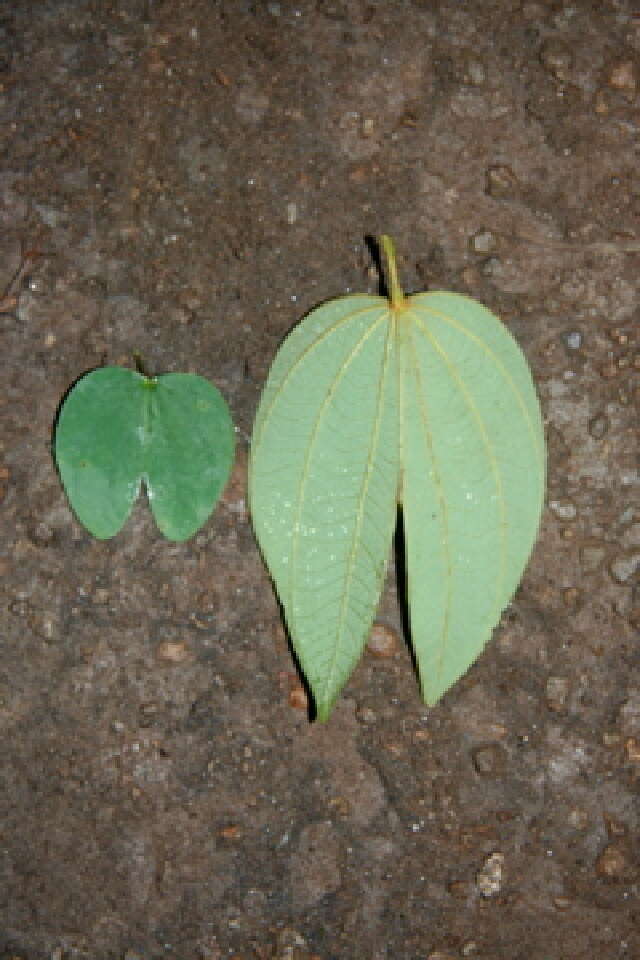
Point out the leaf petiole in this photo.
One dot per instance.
(396, 296)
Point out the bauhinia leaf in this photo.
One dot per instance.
(427, 402)
(118, 428)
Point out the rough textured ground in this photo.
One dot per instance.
(196, 176)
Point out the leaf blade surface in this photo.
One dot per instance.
(102, 414)
(473, 478)
(323, 482)
(189, 458)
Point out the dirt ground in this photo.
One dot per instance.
(195, 176)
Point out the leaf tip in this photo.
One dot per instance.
(324, 707)
(323, 712)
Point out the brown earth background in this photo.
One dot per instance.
(195, 176)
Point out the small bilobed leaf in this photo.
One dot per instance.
(426, 401)
(118, 428)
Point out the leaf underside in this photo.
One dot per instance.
(118, 429)
(430, 405)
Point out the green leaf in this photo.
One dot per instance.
(118, 428)
(426, 402)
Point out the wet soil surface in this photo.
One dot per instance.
(186, 180)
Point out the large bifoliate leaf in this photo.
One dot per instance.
(118, 428)
(427, 402)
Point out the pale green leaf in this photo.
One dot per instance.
(323, 481)
(472, 478)
(425, 401)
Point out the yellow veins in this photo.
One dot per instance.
(419, 300)
(366, 480)
(321, 339)
(368, 471)
(489, 450)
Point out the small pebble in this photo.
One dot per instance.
(561, 903)
(230, 832)
(20, 607)
(622, 77)
(42, 535)
(422, 736)
(618, 335)
(235, 495)
(627, 515)
(475, 73)
(631, 536)
(623, 568)
(608, 370)
(592, 556)
(600, 105)
(172, 651)
(573, 340)
(571, 597)
(564, 509)
(501, 181)
(492, 267)
(148, 713)
(615, 827)
(358, 175)
(556, 60)
(383, 640)
(470, 277)
(483, 242)
(613, 862)
(292, 213)
(629, 715)
(367, 127)
(598, 426)
(489, 879)
(298, 698)
(556, 693)
(488, 759)
(4, 482)
(632, 750)
(578, 819)
(366, 715)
